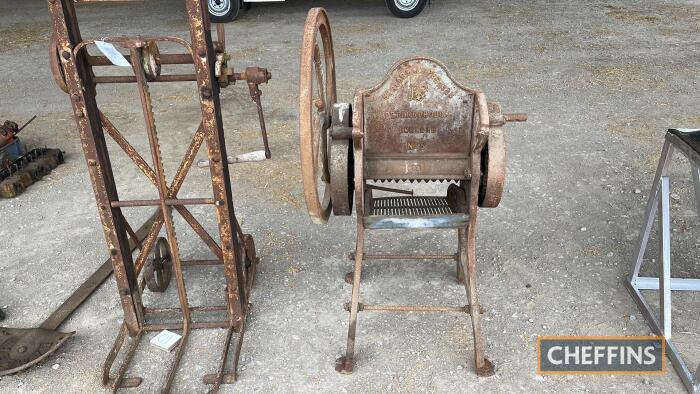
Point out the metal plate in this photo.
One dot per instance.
(418, 123)
(21, 348)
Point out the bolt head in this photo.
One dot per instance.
(206, 92)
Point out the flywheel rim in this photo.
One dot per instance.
(315, 128)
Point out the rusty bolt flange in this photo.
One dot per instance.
(206, 92)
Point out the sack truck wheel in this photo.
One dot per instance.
(406, 8)
(222, 11)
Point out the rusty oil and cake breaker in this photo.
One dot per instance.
(418, 124)
(20, 168)
(159, 258)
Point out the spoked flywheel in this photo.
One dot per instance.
(159, 268)
(317, 95)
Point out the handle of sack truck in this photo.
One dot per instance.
(515, 117)
(258, 155)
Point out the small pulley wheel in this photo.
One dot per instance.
(493, 163)
(342, 161)
(317, 94)
(342, 179)
(159, 269)
(55, 62)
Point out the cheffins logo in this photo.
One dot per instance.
(601, 355)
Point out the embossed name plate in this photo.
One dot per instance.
(418, 123)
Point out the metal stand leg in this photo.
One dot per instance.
(467, 259)
(460, 266)
(345, 364)
(695, 174)
(661, 170)
(659, 202)
(665, 257)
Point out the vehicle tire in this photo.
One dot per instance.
(222, 11)
(406, 8)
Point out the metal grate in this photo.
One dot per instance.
(414, 206)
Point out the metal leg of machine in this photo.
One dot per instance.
(658, 207)
(418, 124)
(160, 259)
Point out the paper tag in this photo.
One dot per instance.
(112, 54)
(258, 155)
(166, 340)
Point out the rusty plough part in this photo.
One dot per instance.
(159, 259)
(21, 348)
(418, 124)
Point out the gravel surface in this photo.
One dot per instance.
(600, 80)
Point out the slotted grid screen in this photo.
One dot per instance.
(414, 206)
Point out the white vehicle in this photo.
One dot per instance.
(227, 10)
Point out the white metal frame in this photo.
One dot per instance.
(659, 200)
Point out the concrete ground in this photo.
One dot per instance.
(600, 80)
